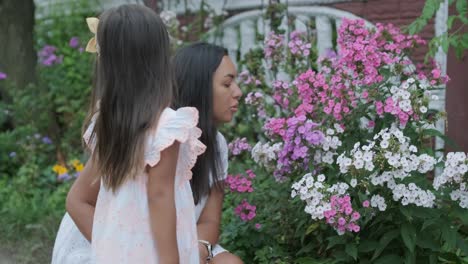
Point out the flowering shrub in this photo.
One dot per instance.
(359, 131)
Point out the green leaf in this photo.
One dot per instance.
(410, 258)
(450, 21)
(384, 241)
(444, 43)
(351, 250)
(427, 213)
(426, 240)
(430, 8)
(461, 214)
(464, 40)
(462, 7)
(459, 51)
(462, 244)
(406, 211)
(336, 240)
(429, 222)
(416, 26)
(312, 228)
(388, 259)
(408, 233)
(367, 246)
(449, 235)
(448, 256)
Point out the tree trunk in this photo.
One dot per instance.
(17, 55)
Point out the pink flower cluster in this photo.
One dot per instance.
(333, 97)
(245, 211)
(254, 98)
(273, 48)
(238, 146)
(391, 106)
(282, 92)
(246, 78)
(239, 183)
(298, 44)
(341, 216)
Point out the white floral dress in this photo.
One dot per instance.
(121, 226)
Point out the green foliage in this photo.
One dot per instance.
(46, 119)
(454, 37)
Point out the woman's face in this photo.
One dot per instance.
(226, 92)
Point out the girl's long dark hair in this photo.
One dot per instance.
(133, 85)
(194, 68)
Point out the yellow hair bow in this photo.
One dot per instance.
(92, 46)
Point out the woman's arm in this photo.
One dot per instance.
(81, 199)
(161, 205)
(210, 220)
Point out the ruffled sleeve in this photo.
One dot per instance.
(89, 137)
(180, 125)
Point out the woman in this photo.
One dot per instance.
(205, 77)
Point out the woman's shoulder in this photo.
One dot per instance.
(222, 144)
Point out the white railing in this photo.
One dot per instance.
(238, 33)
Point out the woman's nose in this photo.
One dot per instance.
(237, 93)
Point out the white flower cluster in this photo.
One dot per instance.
(362, 158)
(316, 194)
(378, 201)
(395, 147)
(312, 192)
(329, 145)
(455, 174)
(400, 159)
(266, 154)
(412, 194)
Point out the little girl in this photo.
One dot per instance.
(142, 151)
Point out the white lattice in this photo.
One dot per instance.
(237, 33)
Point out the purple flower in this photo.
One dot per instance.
(46, 140)
(330, 53)
(64, 177)
(238, 146)
(47, 56)
(74, 42)
(3, 76)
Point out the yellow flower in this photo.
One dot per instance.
(59, 169)
(75, 162)
(77, 165)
